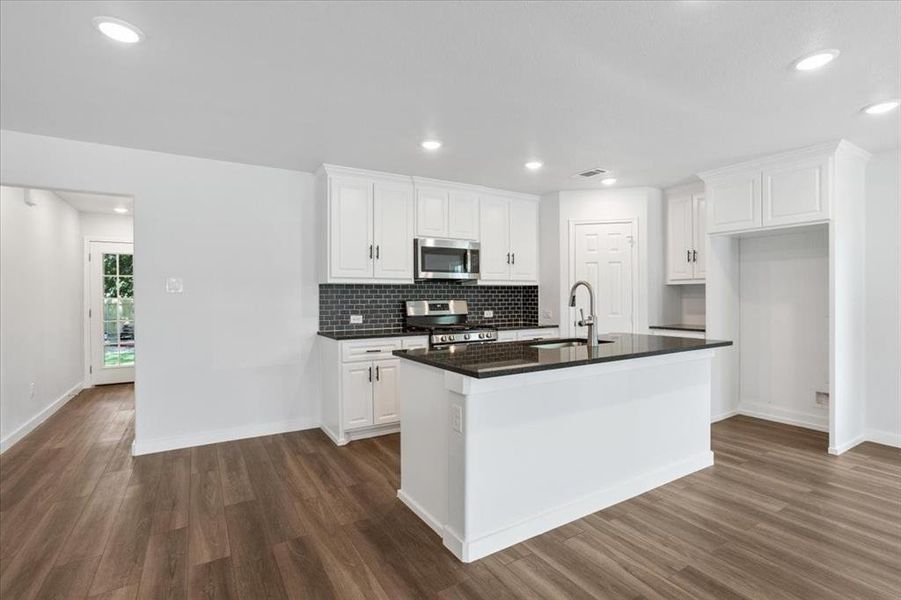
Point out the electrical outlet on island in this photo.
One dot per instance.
(488, 314)
(356, 319)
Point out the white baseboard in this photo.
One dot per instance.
(784, 415)
(39, 418)
(723, 416)
(842, 448)
(470, 550)
(886, 438)
(220, 435)
(420, 512)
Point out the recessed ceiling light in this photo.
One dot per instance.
(608, 180)
(431, 144)
(818, 59)
(534, 165)
(120, 210)
(119, 30)
(882, 107)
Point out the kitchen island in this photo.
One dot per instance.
(503, 441)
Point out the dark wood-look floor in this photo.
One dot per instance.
(293, 516)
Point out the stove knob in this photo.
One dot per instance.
(481, 336)
(465, 336)
(451, 338)
(489, 335)
(443, 338)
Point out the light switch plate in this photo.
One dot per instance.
(174, 285)
(356, 319)
(488, 314)
(457, 418)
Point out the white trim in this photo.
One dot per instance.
(475, 549)
(422, 513)
(215, 436)
(784, 415)
(775, 159)
(886, 438)
(723, 416)
(635, 275)
(842, 448)
(32, 423)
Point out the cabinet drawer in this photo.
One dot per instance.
(414, 342)
(369, 349)
(506, 336)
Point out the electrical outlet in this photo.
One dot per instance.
(488, 314)
(356, 319)
(822, 399)
(547, 314)
(457, 418)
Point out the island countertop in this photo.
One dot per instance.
(497, 359)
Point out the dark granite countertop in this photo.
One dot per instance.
(680, 327)
(364, 334)
(511, 358)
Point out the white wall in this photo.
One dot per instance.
(40, 309)
(233, 355)
(784, 347)
(643, 204)
(98, 226)
(883, 298)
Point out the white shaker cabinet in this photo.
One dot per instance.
(431, 212)
(508, 235)
(686, 237)
(734, 203)
(385, 403)
(796, 192)
(368, 227)
(463, 215)
(356, 393)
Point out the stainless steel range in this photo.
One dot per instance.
(446, 323)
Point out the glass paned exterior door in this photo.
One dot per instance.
(112, 313)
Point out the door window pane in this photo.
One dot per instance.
(118, 311)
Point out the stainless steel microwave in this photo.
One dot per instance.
(435, 258)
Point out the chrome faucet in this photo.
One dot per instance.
(589, 321)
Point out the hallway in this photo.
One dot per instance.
(294, 516)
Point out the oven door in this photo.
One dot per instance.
(445, 259)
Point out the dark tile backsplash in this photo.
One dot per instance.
(382, 306)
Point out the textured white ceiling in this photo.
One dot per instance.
(653, 91)
(97, 203)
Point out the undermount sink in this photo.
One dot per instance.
(559, 344)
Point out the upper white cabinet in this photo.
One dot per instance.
(734, 203)
(431, 212)
(446, 212)
(369, 227)
(792, 188)
(463, 215)
(508, 236)
(686, 237)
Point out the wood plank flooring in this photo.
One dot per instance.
(293, 516)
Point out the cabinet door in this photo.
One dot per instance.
(797, 192)
(494, 238)
(356, 394)
(523, 240)
(385, 401)
(431, 212)
(679, 238)
(350, 223)
(699, 230)
(463, 216)
(733, 204)
(393, 231)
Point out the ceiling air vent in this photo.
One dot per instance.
(589, 173)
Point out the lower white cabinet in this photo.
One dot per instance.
(360, 386)
(542, 333)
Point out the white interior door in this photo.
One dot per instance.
(112, 313)
(603, 257)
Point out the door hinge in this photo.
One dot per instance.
(91, 369)
(89, 257)
(90, 313)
